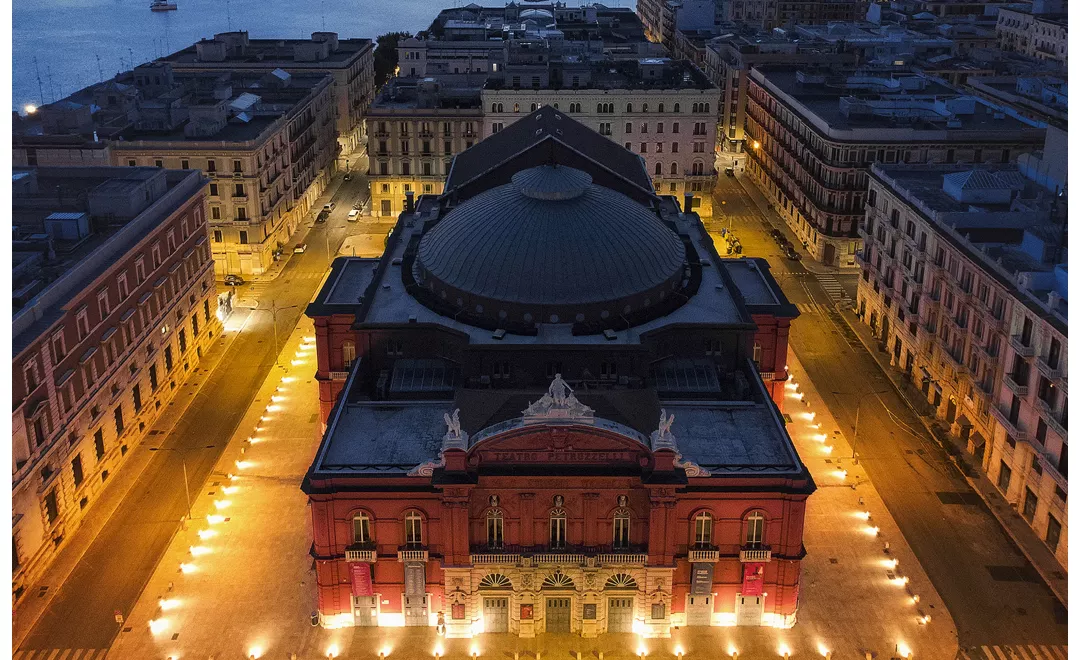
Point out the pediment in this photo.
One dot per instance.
(560, 445)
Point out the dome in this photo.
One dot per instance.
(551, 246)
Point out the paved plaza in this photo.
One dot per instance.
(238, 582)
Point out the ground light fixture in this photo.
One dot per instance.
(785, 652)
(679, 652)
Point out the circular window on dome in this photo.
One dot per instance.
(662, 294)
(528, 317)
(626, 310)
(580, 318)
(460, 302)
(442, 294)
(554, 318)
(648, 302)
(502, 313)
(604, 314)
(479, 309)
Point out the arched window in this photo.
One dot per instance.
(517, 107)
(644, 107)
(659, 169)
(629, 107)
(674, 168)
(697, 168)
(494, 528)
(755, 529)
(532, 107)
(703, 529)
(500, 107)
(348, 353)
(676, 107)
(599, 107)
(361, 526)
(706, 108)
(414, 532)
(661, 108)
(556, 106)
(694, 107)
(557, 527)
(621, 529)
(494, 107)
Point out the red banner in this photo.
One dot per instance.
(753, 579)
(361, 579)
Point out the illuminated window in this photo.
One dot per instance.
(621, 529)
(361, 528)
(557, 535)
(413, 529)
(494, 528)
(703, 529)
(755, 529)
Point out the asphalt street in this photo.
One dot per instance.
(961, 546)
(122, 558)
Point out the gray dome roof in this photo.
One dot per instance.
(552, 239)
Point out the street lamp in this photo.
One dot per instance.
(183, 460)
(274, 309)
(858, 409)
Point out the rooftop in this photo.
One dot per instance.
(643, 73)
(416, 94)
(266, 53)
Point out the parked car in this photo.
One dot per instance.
(233, 280)
(323, 215)
(329, 207)
(348, 176)
(790, 253)
(300, 248)
(730, 171)
(776, 235)
(354, 215)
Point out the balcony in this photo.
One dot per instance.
(703, 556)
(339, 375)
(495, 559)
(755, 555)
(1016, 341)
(361, 552)
(1001, 414)
(1053, 373)
(1052, 420)
(622, 559)
(407, 553)
(986, 386)
(561, 558)
(1017, 389)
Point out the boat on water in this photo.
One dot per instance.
(162, 5)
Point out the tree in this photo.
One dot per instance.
(386, 55)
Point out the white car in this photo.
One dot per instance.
(300, 248)
(354, 214)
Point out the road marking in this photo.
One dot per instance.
(61, 654)
(808, 308)
(831, 286)
(53, 654)
(1018, 652)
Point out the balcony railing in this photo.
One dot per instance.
(755, 554)
(495, 558)
(703, 556)
(1012, 428)
(1051, 419)
(1017, 389)
(367, 555)
(561, 558)
(581, 555)
(622, 559)
(1016, 341)
(1045, 369)
(339, 375)
(412, 554)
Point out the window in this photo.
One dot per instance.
(30, 375)
(494, 528)
(1004, 477)
(168, 358)
(159, 163)
(82, 323)
(213, 190)
(1030, 504)
(183, 340)
(211, 165)
(1053, 532)
(131, 162)
(621, 529)
(348, 354)
(557, 529)
(118, 418)
(703, 523)
(243, 237)
(361, 528)
(236, 168)
(206, 310)
(59, 347)
(184, 165)
(76, 469)
(413, 529)
(659, 169)
(755, 529)
(52, 508)
(153, 378)
(99, 444)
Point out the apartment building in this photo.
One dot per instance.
(815, 133)
(351, 62)
(415, 128)
(963, 283)
(1043, 36)
(114, 305)
(729, 59)
(664, 110)
(1043, 98)
(266, 142)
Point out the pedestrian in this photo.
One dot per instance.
(440, 625)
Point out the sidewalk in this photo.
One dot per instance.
(1021, 534)
(27, 612)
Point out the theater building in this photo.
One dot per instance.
(543, 413)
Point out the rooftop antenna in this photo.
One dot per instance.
(52, 88)
(228, 14)
(41, 92)
(322, 6)
(131, 58)
(100, 72)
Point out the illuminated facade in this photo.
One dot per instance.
(504, 454)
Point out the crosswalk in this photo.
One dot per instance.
(831, 286)
(810, 308)
(61, 654)
(1015, 652)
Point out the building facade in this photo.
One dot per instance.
(814, 135)
(351, 62)
(101, 350)
(1043, 36)
(963, 285)
(441, 390)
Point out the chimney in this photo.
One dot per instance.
(409, 205)
(688, 202)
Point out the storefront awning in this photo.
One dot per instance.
(963, 421)
(977, 440)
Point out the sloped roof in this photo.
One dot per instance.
(544, 125)
(984, 180)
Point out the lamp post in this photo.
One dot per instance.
(858, 410)
(183, 461)
(274, 309)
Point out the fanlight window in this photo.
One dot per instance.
(558, 580)
(621, 581)
(755, 529)
(703, 529)
(413, 529)
(495, 581)
(495, 528)
(361, 528)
